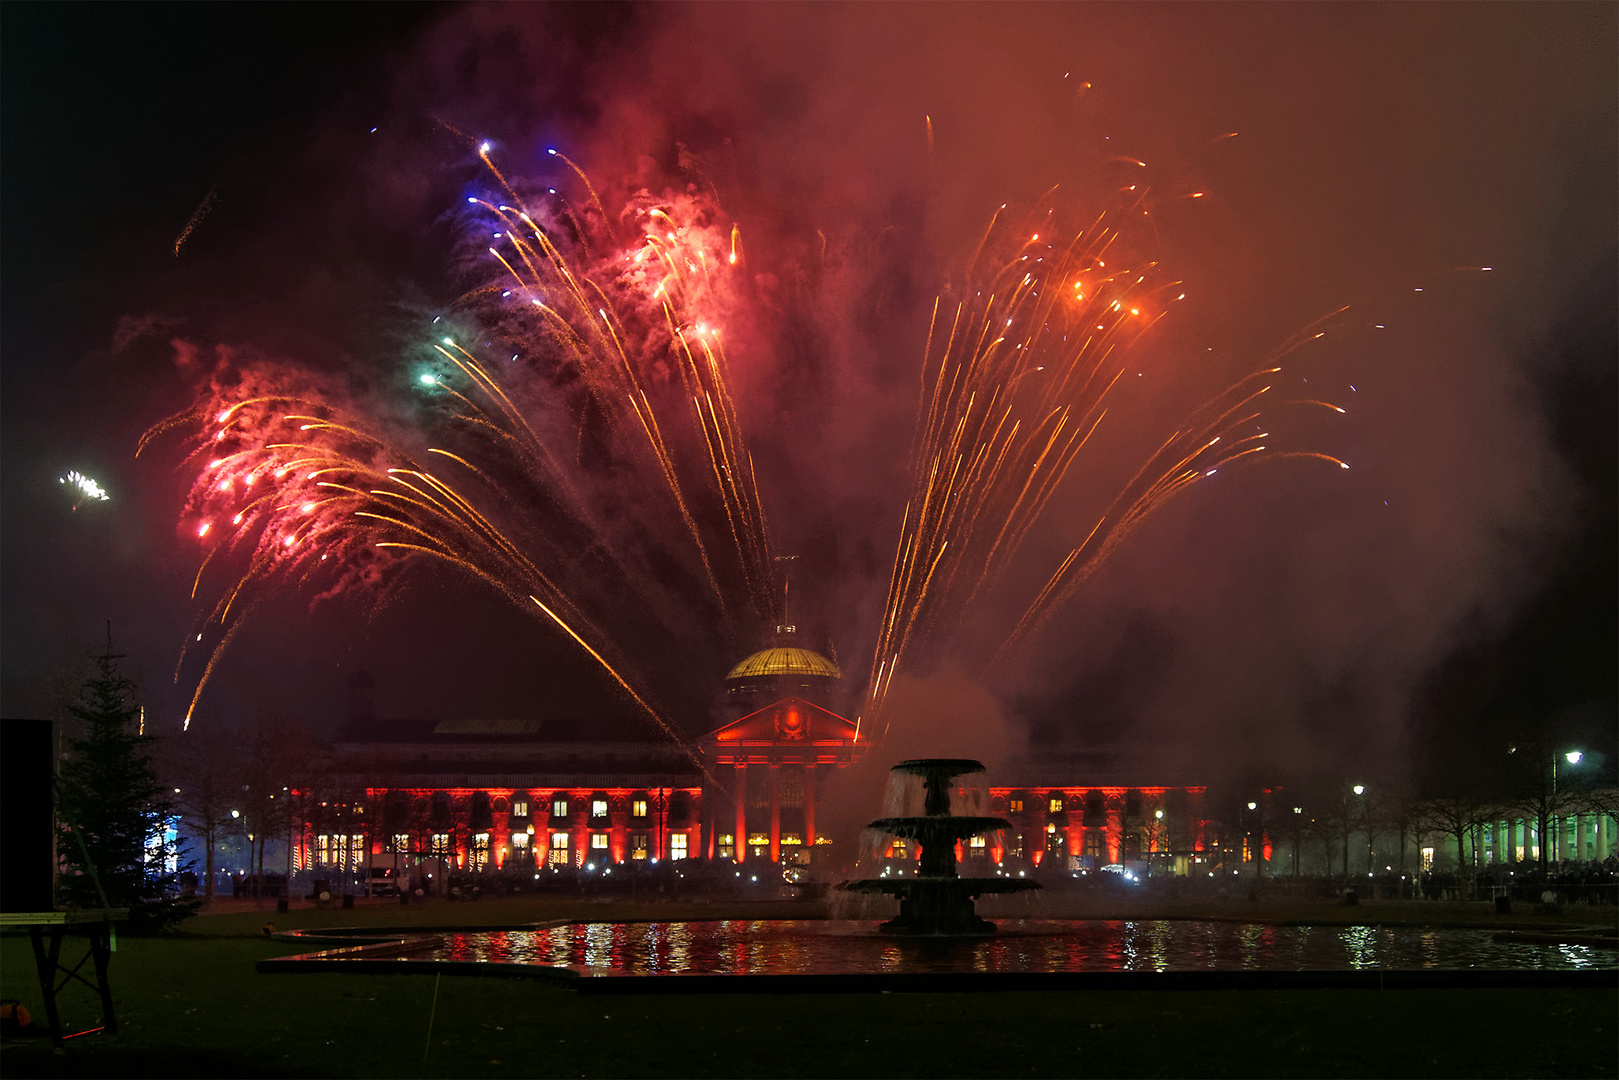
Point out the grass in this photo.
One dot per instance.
(192, 1005)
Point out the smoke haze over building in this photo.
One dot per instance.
(1456, 583)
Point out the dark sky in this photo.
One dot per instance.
(1407, 617)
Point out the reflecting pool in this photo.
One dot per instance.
(806, 948)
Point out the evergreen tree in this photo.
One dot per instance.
(112, 810)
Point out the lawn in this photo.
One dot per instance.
(192, 1005)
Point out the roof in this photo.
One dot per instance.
(792, 719)
(785, 661)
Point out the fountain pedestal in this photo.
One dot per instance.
(938, 901)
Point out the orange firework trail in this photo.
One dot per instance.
(1016, 378)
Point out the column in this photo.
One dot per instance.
(500, 835)
(775, 812)
(808, 854)
(1579, 837)
(1114, 836)
(739, 847)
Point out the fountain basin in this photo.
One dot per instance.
(938, 905)
(937, 902)
(729, 956)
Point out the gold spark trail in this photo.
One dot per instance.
(1017, 372)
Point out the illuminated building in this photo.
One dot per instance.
(430, 799)
(775, 755)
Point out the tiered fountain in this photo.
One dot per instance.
(938, 901)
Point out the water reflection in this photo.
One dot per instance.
(762, 947)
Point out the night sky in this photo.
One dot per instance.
(1454, 590)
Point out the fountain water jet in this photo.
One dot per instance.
(938, 902)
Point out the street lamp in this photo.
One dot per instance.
(1259, 841)
(1573, 757)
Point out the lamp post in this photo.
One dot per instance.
(1573, 757)
(1259, 840)
(1298, 829)
(1159, 847)
(1349, 819)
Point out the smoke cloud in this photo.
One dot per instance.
(1284, 615)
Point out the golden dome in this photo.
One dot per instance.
(785, 661)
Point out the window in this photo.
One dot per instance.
(441, 844)
(559, 849)
(899, 850)
(638, 808)
(677, 845)
(480, 850)
(1014, 806)
(559, 807)
(519, 842)
(598, 808)
(727, 846)
(598, 841)
(1055, 805)
(976, 845)
(398, 843)
(356, 858)
(638, 845)
(520, 808)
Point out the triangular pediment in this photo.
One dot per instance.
(792, 720)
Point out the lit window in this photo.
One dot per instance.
(480, 850)
(1014, 806)
(399, 842)
(898, 851)
(520, 809)
(976, 844)
(559, 849)
(598, 841)
(559, 808)
(1056, 804)
(677, 845)
(519, 841)
(441, 844)
(638, 845)
(638, 808)
(598, 808)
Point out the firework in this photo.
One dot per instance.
(1016, 379)
(294, 486)
(637, 323)
(195, 219)
(82, 488)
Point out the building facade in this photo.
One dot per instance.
(428, 800)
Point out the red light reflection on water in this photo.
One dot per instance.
(789, 947)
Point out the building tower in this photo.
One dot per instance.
(784, 738)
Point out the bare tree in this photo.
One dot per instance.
(271, 756)
(1457, 819)
(202, 767)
